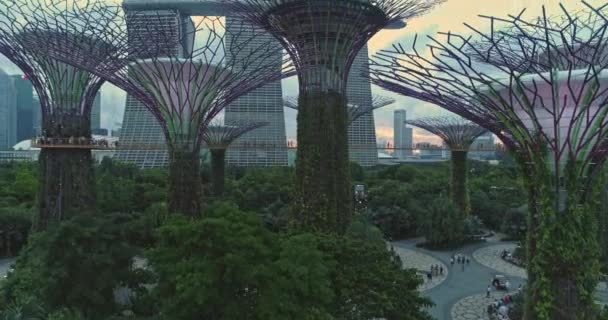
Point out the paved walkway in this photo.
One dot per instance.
(474, 307)
(490, 257)
(459, 285)
(422, 262)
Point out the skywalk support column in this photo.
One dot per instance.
(67, 182)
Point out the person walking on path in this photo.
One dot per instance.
(452, 261)
(488, 291)
(441, 270)
(507, 285)
(468, 261)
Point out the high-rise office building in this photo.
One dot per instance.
(361, 132)
(263, 104)
(24, 92)
(8, 112)
(37, 116)
(402, 135)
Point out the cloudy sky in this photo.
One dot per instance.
(449, 16)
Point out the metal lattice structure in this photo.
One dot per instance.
(218, 137)
(543, 90)
(66, 94)
(354, 111)
(185, 77)
(458, 134)
(323, 39)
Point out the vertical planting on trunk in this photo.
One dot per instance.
(459, 191)
(67, 181)
(323, 186)
(218, 171)
(565, 262)
(184, 182)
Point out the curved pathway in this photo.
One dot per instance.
(474, 307)
(422, 262)
(490, 257)
(450, 295)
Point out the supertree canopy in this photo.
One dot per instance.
(218, 137)
(185, 75)
(354, 111)
(66, 95)
(541, 85)
(458, 134)
(323, 37)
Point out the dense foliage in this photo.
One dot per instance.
(241, 257)
(77, 264)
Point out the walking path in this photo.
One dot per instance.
(474, 307)
(461, 293)
(457, 296)
(422, 262)
(490, 257)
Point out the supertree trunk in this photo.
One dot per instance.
(184, 183)
(218, 169)
(67, 181)
(531, 236)
(459, 191)
(563, 264)
(322, 171)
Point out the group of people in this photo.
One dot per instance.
(460, 259)
(499, 308)
(82, 141)
(436, 270)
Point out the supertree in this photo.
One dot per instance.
(185, 73)
(218, 137)
(323, 38)
(66, 96)
(354, 111)
(458, 134)
(541, 86)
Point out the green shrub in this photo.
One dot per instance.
(15, 225)
(77, 264)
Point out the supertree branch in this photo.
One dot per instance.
(66, 95)
(218, 137)
(304, 28)
(26, 26)
(185, 78)
(354, 111)
(550, 112)
(521, 49)
(185, 73)
(458, 134)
